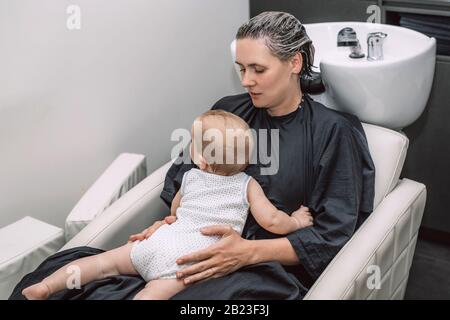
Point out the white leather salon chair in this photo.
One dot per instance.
(18, 258)
(375, 262)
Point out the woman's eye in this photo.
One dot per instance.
(256, 70)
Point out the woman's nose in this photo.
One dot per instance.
(247, 80)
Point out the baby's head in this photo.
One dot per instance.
(221, 143)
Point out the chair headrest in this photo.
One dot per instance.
(388, 150)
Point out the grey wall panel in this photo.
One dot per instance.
(428, 159)
(316, 11)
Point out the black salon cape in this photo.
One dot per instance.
(324, 164)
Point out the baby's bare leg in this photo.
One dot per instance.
(82, 271)
(161, 289)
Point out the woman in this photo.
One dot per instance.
(322, 162)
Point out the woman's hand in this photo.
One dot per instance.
(146, 233)
(227, 255)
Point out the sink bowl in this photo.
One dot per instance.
(391, 92)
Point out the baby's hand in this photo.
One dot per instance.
(303, 217)
(146, 233)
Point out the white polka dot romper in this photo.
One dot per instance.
(207, 199)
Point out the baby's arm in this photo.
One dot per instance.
(175, 204)
(269, 217)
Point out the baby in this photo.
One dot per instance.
(219, 192)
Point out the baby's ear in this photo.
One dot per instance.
(202, 163)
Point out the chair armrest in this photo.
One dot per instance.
(24, 244)
(383, 247)
(126, 171)
(134, 211)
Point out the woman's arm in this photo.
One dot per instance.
(341, 199)
(231, 253)
(279, 249)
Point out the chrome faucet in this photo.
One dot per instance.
(375, 45)
(347, 38)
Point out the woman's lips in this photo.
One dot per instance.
(254, 95)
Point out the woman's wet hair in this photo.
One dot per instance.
(284, 35)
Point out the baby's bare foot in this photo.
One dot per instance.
(38, 291)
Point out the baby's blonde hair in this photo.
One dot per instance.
(236, 138)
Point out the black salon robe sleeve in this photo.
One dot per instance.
(341, 196)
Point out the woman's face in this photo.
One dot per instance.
(269, 81)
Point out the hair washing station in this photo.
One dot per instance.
(383, 247)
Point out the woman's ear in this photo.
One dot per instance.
(297, 63)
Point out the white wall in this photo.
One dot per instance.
(72, 100)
